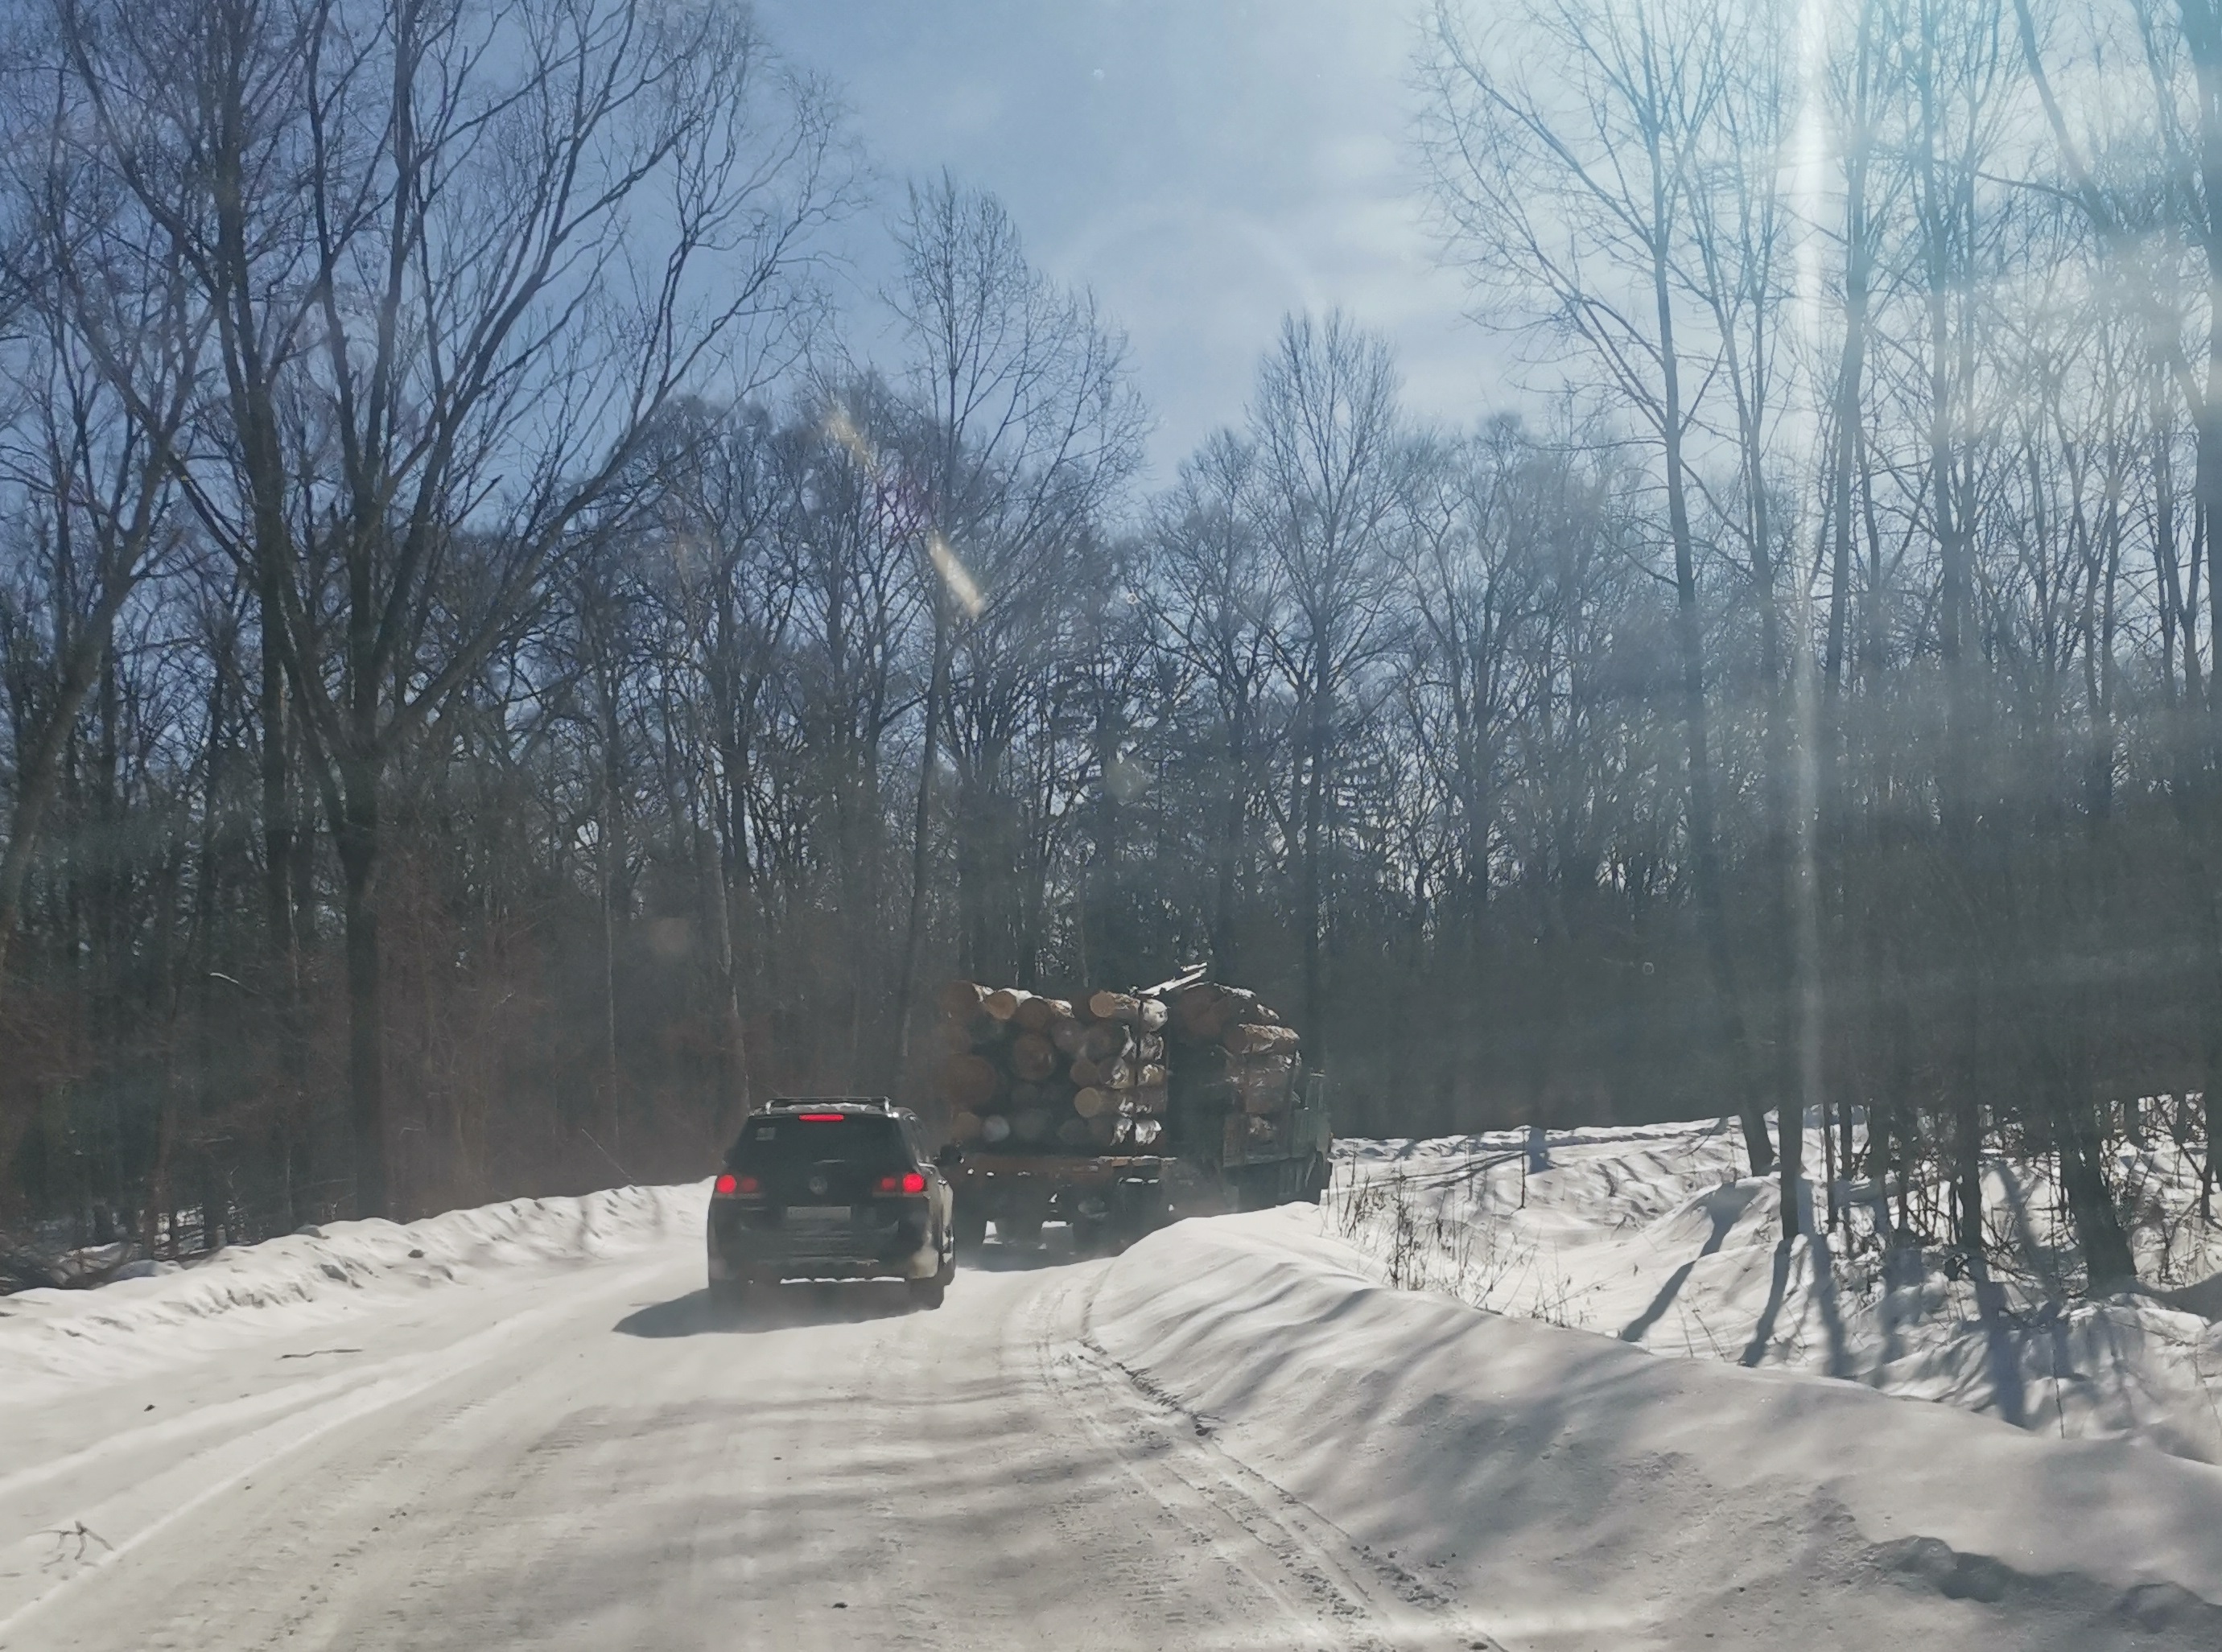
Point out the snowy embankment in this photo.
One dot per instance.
(1576, 1492)
(56, 1341)
(1652, 1235)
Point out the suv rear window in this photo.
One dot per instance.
(774, 1143)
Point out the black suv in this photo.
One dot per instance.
(831, 1188)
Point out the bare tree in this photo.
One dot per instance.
(1335, 464)
(91, 471)
(1029, 424)
(1568, 192)
(465, 257)
(1221, 596)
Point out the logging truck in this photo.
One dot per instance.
(1117, 1111)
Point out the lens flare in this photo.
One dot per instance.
(955, 576)
(843, 429)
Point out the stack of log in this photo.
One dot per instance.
(1234, 1055)
(1027, 1071)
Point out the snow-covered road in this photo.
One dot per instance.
(524, 1426)
(595, 1458)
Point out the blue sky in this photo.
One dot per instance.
(1204, 165)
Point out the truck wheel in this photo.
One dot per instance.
(1316, 1176)
(968, 1226)
(1088, 1236)
(1145, 1222)
(729, 1294)
(1140, 1215)
(1018, 1230)
(926, 1293)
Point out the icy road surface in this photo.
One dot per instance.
(595, 1458)
(524, 1426)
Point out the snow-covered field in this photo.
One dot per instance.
(539, 1433)
(1652, 1235)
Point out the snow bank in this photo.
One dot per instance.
(1573, 1492)
(1651, 1235)
(56, 1340)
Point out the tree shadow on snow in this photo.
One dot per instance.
(1724, 1206)
(1778, 1286)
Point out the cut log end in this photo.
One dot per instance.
(1038, 1015)
(1033, 1057)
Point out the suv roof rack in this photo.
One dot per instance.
(788, 1103)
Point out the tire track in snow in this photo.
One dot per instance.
(1344, 1597)
(34, 1572)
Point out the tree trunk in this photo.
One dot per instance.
(1833, 828)
(1689, 637)
(714, 899)
(1954, 812)
(937, 694)
(285, 878)
(1234, 818)
(358, 838)
(204, 911)
(1312, 918)
(2107, 1259)
(612, 869)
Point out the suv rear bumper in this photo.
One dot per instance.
(741, 1252)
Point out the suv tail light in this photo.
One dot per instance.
(729, 1186)
(909, 1182)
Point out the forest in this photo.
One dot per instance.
(502, 672)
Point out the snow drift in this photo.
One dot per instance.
(51, 1340)
(1604, 1497)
